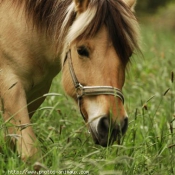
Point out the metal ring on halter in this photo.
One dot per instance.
(79, 91)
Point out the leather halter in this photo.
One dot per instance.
(82, 91)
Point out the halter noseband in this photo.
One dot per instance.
(82, 91)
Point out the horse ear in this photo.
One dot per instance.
(131, 4)
(81, 5)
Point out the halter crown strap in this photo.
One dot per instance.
(91, 90)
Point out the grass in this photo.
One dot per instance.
(148, 148)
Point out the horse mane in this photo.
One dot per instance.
(58, 19)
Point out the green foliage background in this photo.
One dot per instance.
(151, 5)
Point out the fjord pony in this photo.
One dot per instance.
(90, 40)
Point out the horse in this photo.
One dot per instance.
(90, 41)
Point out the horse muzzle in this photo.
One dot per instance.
(106, 132)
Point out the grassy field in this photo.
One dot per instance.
(148, 148)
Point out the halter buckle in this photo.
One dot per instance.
(79, 90)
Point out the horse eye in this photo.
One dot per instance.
(82, 51)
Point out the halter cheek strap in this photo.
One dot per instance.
(82, 91)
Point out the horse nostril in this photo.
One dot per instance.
(108, 131)
(125, 125)
(103, 127)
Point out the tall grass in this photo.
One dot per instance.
(148, 148)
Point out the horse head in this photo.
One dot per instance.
(99, 43)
